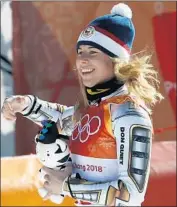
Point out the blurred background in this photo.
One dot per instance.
(7, 85)
(37, 56)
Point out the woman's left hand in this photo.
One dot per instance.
(54, 180)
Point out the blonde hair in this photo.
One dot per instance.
(139, 76)
(82, 102)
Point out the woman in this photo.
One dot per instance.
(110, 127)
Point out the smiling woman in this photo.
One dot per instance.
(93, 66)
(110, 127)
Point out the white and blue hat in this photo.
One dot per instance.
(112, 33)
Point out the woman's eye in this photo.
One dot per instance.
(79, 53)
(93, 52)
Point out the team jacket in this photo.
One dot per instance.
(110, 149)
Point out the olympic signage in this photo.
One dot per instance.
(86, 127)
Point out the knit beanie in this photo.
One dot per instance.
(112, 33)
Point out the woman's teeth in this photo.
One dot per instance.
(87, 70)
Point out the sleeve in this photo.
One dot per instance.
(40, 110)
(133, 133)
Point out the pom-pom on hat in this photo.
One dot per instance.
(113, 33)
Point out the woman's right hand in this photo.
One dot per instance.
(14, 104)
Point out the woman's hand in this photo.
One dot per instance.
(14, 104)
(53, 182)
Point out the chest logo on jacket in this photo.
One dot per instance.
(86, 127)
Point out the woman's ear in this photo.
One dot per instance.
(113, 60)
(113, 65)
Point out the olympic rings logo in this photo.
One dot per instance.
(86, 129)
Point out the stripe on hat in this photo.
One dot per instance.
(113, 37)
(107, 41)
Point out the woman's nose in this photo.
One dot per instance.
(84, 61)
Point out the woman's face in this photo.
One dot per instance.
(93, 66)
